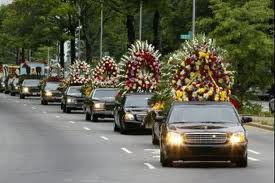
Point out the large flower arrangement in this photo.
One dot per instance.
(106, 73)
(140, 68)
(79, 73)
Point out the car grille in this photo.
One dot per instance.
(109, 107)
(80, 101)
(32, 90)
(205, 138)
(57, 94)
(140, 117)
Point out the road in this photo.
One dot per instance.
(40, 144)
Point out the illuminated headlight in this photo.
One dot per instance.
(25, 90)
(99, 105)
(3, 84)
(237, 138)
(129, 116)
(49, 93)
(174, 138)
(70, 100)
(16, 87)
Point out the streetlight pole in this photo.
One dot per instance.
(193, 18)
(101, 28)
(140, 20)
(49, 63)
(79, 32)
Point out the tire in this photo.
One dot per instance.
(22, 96)
(165, 162)
(88, 117)
(64, 109)
(116, 128)
(67, 110)
(95, 118)
(12, 94)
(155, 141)
(123, 130)
(242, 163)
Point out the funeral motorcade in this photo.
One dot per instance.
(29, 87)
(130, 112)
(100, 104)
(50, 93)
(2, 86)
(202, 131)
(14, 87)
(72, 99)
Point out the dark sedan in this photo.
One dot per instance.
(14, 87)
(203, 131)
(129, 114)
(100, 104)
(51, 93)
(72, 99)
(29, 87)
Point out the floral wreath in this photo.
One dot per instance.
(106, 73)
(79, 73)
(140, 68)
(200, 73)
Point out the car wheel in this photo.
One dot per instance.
(165, 162)
(22, 96)
(68, 110)
(88, 117)
(242, 162)
(116, 128)
(155, 141)
(12, 94)
(123, 129)
(95, 118)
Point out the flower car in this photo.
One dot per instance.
(29, 87)
(50, 92)
(72, 99)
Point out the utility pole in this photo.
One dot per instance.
(101, 28)
(140, 20)
(193, 19)
(79, 32)
(49, 62)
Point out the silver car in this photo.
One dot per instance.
(271, 105)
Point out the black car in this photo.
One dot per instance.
(8, 83)
(51, 93)
(2, 86)
(202, 131)
(14, 87)
(100, 104)
(129, 114)
(72, 99)
(29, 87)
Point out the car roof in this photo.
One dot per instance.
(202, 103)
(104, 89)
(136, 93)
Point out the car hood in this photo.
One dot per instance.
(105, 100)
(206, 127)
(137, 109)
(79, 95)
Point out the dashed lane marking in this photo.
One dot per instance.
(44, 112)
(86, 128)
(252, 151)
(253, 159)
(57, 116)
(72, 122)
(104, 138)
(151, 167)
(126, 150)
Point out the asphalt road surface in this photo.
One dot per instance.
(40, 144)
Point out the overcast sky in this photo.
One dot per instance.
(5, 1)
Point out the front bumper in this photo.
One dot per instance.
(52, 99)
(221, 152)
(136, 125)
(31, 93)
(73, 106)
(103, 113)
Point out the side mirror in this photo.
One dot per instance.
(246, 119)
(160, 119)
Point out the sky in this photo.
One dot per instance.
(5, 1)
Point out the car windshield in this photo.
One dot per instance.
(103, 94)
(74, 90)
(31, 82)
(52, 86)
(203, 114)
(137, 100)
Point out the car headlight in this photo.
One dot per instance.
(99, 105)
(49, 93)
(129, 116)
(237, 138)
(16, 87)
(174, 138)
(25, 90)
(70, 100)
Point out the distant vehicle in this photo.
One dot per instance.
(8, 83)
(29, 87)
(2, 86)
(100, 104)
(14, 87)
(51, 93)
(130, 113)
(202, 131)
(72, 99)
(271, 105)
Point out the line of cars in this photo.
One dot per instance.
(191, 131)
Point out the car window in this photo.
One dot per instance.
(31, 82)
(137, 100)
(74, 90)
(52, 86)
(103, 94)
(203, 113)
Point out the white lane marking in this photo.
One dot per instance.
(157, 156)
(33, 108)
(44, 112)
(57, 116)
(72, 122)
(149, 166)
(25, 104)
(104, 138)
(86, 128)
(252, 151)
(253, 159)
(17, 102)
(126, 150)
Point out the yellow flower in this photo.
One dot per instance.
(210, 92)
(179, 94)
(217, 97)
(220, 80)
(158, 106)
(182, 64)
(223, 96)
(173, 81)
(203, 55)
(201, 90)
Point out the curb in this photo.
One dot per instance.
(265, 127)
